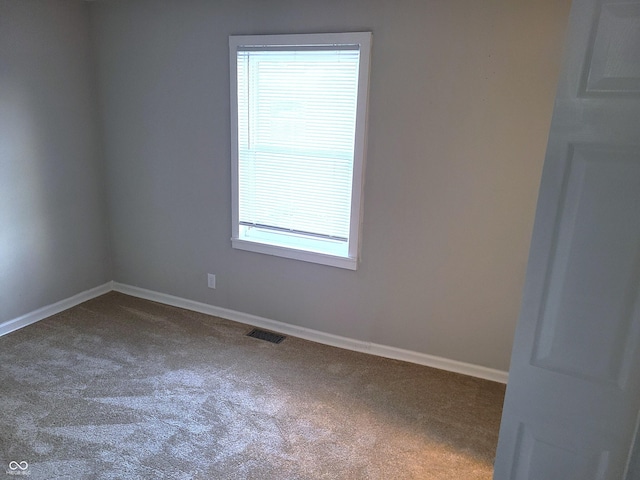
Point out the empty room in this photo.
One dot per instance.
(359, 239)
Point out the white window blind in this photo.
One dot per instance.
(297, 116)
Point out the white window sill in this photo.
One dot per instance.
(295, 253)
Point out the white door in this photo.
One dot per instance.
(573, 395)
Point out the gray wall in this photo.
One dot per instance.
(53, 229)
(461, 100)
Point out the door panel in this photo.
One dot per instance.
(615, 61)
(573, 396)
(599, 212)
(540, 456)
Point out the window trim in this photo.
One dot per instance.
(363, 40)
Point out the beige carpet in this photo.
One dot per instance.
(120, 387)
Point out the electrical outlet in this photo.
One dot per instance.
(211, 280)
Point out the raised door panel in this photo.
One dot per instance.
(550, 454)
(614, 66)
(590, 304)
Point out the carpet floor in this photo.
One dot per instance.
(119, 388)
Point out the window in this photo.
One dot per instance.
(298, 123)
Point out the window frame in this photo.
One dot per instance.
(363, 40)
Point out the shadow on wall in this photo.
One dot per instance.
(25, 220)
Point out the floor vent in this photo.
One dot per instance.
(264, 335)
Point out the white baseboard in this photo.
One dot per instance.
(44, 312)
(256, 321)
(316, 336)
